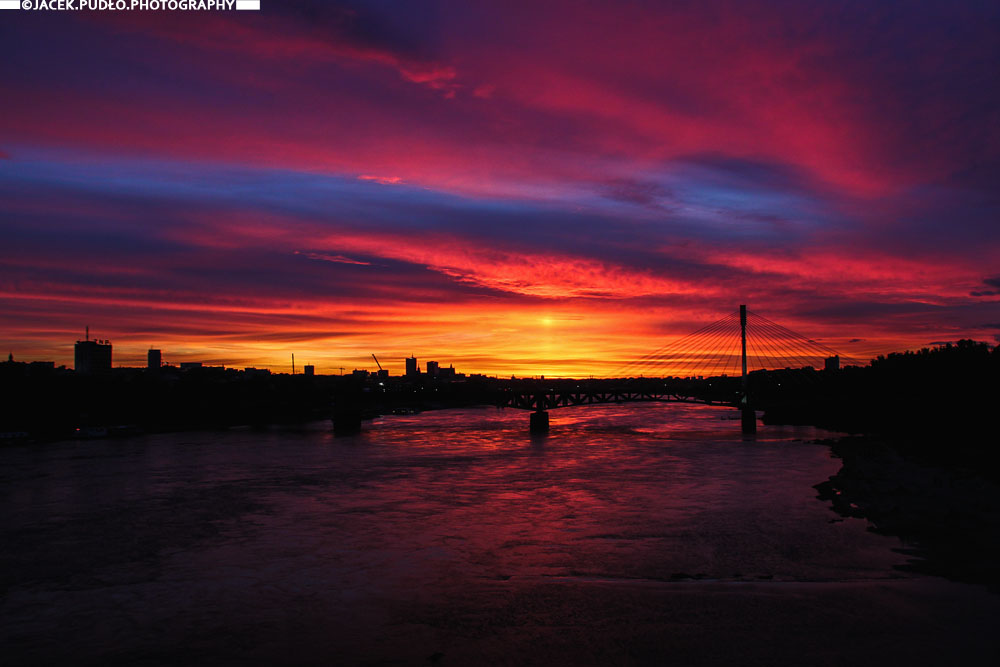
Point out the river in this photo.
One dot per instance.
(630, 534)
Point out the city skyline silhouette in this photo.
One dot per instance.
(711, 350)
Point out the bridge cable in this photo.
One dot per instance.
(771, 349)
(707, 349)
(668, 348)
(703, 350)
(776, 346)
(791, 357)
(715, 347)
(787, 351)
(818, 349)
(721, 347)
(667, 354)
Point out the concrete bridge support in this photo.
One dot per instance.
(539, 421)
(748, 416)
(346, 422)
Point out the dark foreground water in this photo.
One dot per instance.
(645, 534)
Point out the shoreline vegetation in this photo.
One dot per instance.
(921, 461)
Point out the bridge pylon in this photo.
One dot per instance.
(748, 417)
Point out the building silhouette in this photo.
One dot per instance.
(432, 368)
(309, 369)
(411, 367)
(92, 356)
(832, 363)
(153, 360)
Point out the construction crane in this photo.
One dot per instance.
(376, 361)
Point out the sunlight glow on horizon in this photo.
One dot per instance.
(462, 186)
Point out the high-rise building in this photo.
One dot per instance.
(411, 367)
(154, 360)
(432, 368)
(309, 370)
(92, 356)
(832, 363)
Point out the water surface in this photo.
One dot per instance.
(632, 534)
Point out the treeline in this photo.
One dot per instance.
(926, 467)
(938, 402)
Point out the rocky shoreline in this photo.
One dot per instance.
(948, 516)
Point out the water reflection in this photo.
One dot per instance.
(421, 521)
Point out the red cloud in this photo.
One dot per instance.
(543, 104)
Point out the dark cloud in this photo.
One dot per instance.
(863, 311)
(643, 193)
(752, 174)
(993, 282)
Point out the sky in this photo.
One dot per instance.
(510, 187)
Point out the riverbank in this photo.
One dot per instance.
(947, 515)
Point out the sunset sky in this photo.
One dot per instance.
(509, 187)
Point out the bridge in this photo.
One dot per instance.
(699, 367)
(718, 364)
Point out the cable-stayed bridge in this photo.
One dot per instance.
(711, 365)
(717, 349)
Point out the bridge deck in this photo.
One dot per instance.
(560, 399)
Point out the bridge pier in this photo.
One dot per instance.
(749, 420)
(346, 422)
(539, 421)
